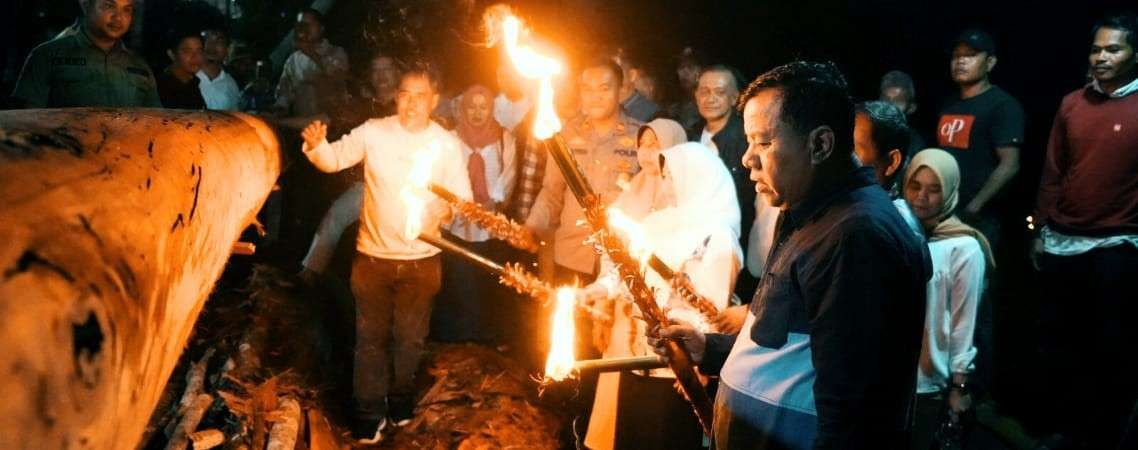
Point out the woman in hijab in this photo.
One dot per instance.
(684, 202)
(960, 258)
(640, 196)
(472, 297)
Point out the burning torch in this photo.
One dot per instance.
(533, 65)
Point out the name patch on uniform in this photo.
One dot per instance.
(580, 151)
(137, 71)
(67, 61)
(624, 152)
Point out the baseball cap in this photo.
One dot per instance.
(977, 39)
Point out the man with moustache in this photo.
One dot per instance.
(1087, 250)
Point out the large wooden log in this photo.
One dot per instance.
(114, 227)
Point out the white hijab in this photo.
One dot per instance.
(705, 198)
(704, 220)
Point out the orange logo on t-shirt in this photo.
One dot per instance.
(954, 130)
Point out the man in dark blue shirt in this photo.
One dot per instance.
(828, 353)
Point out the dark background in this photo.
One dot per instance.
(1042, 56)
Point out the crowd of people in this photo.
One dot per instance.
(850, 260)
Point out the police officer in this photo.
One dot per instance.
(90, 67)
(603, 141)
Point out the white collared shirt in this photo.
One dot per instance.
(296, 88)
(952, 296)
(500, 177)
(1122, 91)
(221, 93)
(705, 139)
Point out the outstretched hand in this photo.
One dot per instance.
(314, 134)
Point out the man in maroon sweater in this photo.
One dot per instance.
(1088, 244)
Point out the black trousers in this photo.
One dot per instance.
(981, 378)
(651, 414)
(471, 300)
(1090, 330)
(393, 312)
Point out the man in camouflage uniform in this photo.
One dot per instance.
(90, 67)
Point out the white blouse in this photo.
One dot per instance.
(952, 297)
(500, 177)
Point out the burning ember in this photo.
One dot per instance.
(559, 362)
(414, 192)
(637, 240)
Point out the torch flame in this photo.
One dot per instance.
(535, 66)
(638, 245)
(559, 362)
(413, 192)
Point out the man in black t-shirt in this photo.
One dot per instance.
(983, 127)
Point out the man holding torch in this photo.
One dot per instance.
(825, 358)
(603, 142)
(394, 276)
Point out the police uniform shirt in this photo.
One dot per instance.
(606, 159)
(70, 71)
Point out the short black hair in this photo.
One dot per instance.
(175, 37)
(1127, 22)
(813, 94)
(216, 30)
(608, 63)
(422, 68)
(890, 128)
(899, 79)
(724, 68)
(315, 13)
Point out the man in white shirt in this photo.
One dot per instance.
(219, 89)
(394, 279)
(315, 67)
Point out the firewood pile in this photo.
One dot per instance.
(479, 399)
(269, 367)
(258, 374)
